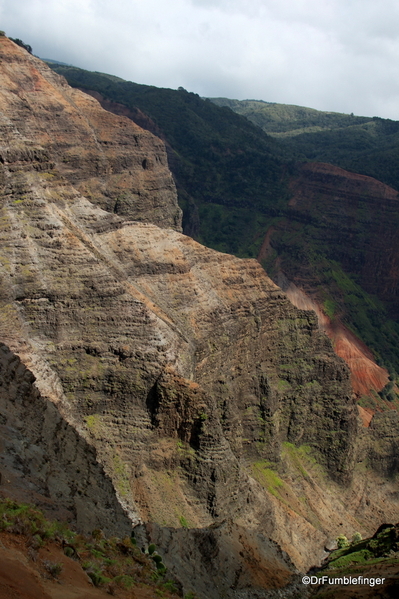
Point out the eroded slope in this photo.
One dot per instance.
(182, 372)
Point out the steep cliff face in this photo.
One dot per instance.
(117, 165)
(335, 249)
(366, 375)
(44, 459)
(332, 231)
(184, 374)
(360, 217)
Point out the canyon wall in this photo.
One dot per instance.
(358, 219)
(179, 381)
(45, 461)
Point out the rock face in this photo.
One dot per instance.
(335, 250)
(360, 217)
(131, 350)
(117, 165)
(366, 375)
(43, 458)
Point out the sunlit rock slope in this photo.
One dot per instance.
(147, 376)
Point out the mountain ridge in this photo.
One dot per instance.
(205, 405)
(241, 226)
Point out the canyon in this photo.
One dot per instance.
(150, 382)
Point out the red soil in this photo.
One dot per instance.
(366, 376)
(22, 577)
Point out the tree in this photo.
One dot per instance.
(22, 44)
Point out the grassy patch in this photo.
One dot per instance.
(357, 557)
(267, 477)
(329, 307)
(93, 423)
(121, 476)
(295, 456)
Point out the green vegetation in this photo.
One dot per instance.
(287, 121)
(296, 456)
(232, 181)
(358, 556)
(357, 537)
(342, 542)
(53, 568)
(366, 145)
(20, 43)
(151, 549)
(93, 423)
(110, 563)
(267, 477)
(231, 177)
(305, 249)
(329, 307)
(121, 476)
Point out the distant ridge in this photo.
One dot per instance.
(50, 60)
(289, 120)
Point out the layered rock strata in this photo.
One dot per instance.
(115, 164)
(44, 460)
(179, 371)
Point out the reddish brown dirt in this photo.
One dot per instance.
(22, 577)
(345, 181)
(366, 414)
(366, 374)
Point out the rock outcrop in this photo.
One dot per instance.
(115, 164)
(178, 371)
(335, 251)
(44, 460)
(360, 218)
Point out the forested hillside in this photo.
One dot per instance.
(366, 145)
(231, 176)
(248, 193)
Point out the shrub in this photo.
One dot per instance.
(170, 586)
(124, 581)
(98, 578)
(97, 534)
(342, 542)
(36, 542)
(69, 551)
(53, 568)
(20, 43)
(161, 568)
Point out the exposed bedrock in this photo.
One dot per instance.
(179, 381)
(43, 458)
(46, 125)
(356, 220)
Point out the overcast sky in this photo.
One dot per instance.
(337, 55)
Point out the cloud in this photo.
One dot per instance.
(338, 55)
